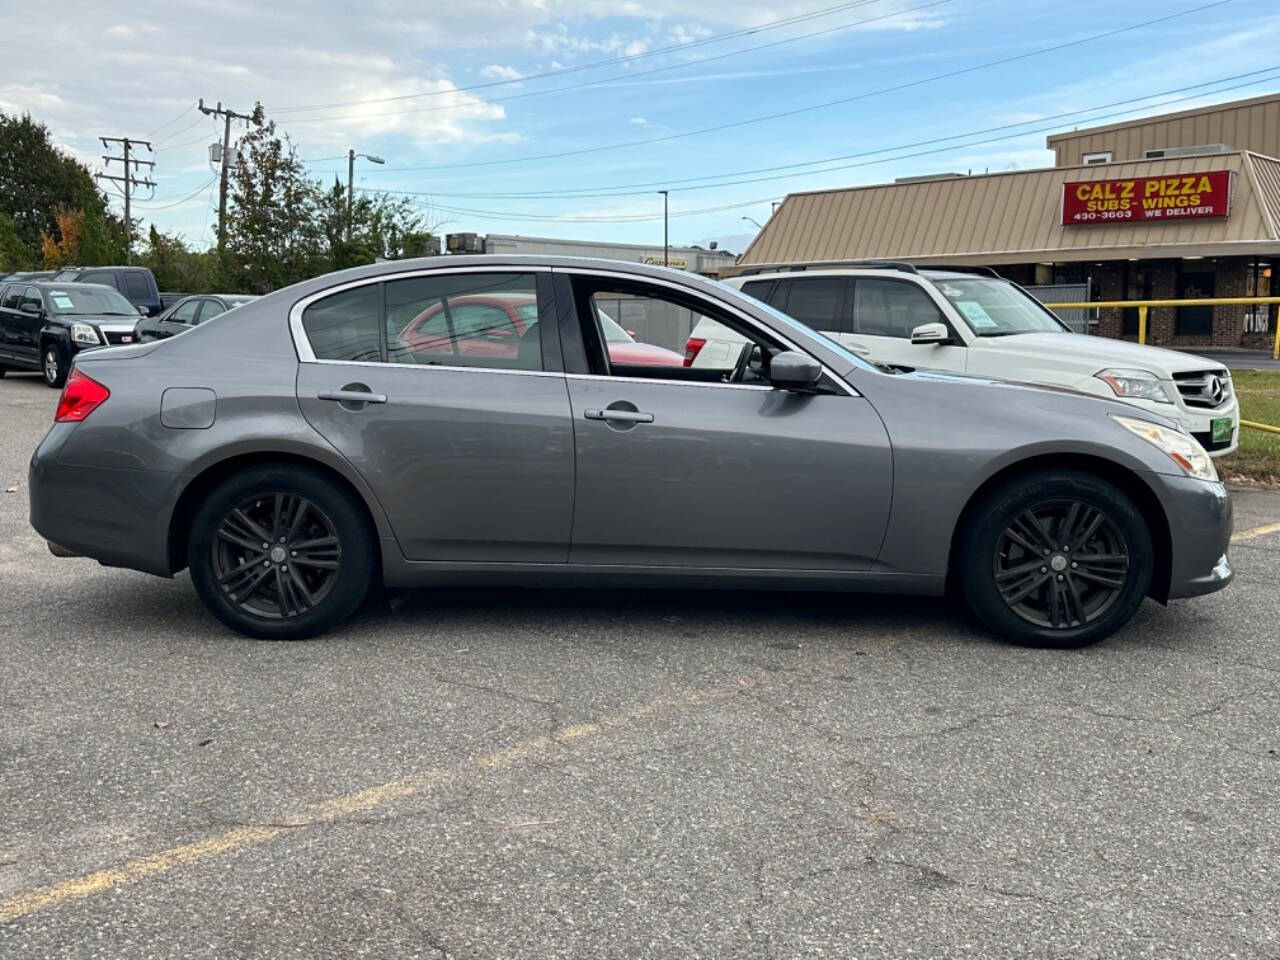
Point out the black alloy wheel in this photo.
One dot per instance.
(53, 365)
(1054, 558)
(276, 555)
(1061, 564)
(282, 551)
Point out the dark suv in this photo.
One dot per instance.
(43, 325)
(136, 284)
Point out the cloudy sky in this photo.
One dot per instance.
(562, 118)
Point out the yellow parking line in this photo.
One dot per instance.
(1255, 533)
(45, 898)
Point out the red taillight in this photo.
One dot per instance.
(80, 397)
(691, 348)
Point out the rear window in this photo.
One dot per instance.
(345, 326)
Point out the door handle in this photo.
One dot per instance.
(352, 396)
(858, 349)
(629, 416)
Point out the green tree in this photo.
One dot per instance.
(177, 267)
(37, 179)
(14, 254)
(274, 233)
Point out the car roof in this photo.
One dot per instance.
(868, 270)
(69, 285)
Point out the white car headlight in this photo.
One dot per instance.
(1135, 385)
(84, 333)
(1182, 449)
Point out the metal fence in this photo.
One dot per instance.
(1063, 293)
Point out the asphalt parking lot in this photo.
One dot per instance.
(520, 774)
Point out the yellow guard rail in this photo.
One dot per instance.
(1144, 305)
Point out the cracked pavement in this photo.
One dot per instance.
(631, 774)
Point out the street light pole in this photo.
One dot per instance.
(666, 249)
(755, 221)
(351, 177)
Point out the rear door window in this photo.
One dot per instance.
(891, 308)
(818, 302)
(465, 320)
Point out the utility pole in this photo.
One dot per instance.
(128, 179)
(227, 115)
(351, 179)
(666, 250)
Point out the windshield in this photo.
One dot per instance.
(83, 300)
(808, 332)
(996, 308)
(63, 276)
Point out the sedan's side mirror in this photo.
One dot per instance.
(791, 370)
(931, 333)
(28, 307)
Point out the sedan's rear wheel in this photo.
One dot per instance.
(1055, 559)
(281, 553)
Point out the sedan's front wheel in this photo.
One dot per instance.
(281, 553)
(1059, 559)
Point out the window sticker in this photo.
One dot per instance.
(952, 292)
(62, 300)
(974, 313)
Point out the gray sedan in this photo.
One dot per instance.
(393, 424)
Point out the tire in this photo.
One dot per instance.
(1065, 602)
(54, 365)
(286, 597)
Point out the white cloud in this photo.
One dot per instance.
(638, 121)
(500, 72)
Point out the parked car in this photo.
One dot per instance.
(43, 325)
(30, 275)
(494, 325)
(298, 449)
(136, 284)
(985, 325)
(186, 314)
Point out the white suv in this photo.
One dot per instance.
(983, 325)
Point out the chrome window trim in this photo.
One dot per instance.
(679, 383)
(727, 307)
(432, 366)
(303, 346)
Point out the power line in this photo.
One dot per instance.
(177, 203)
(633, 75)
(560, 71)
(188, 109)
(178, 133)
(532, 217)
(638, 189)
(666, 138)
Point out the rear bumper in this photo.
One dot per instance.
(1199, 515)
(118, 517)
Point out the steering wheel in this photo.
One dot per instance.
(739, 372)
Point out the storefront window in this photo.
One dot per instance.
(1258, 283)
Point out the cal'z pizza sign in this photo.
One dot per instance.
(1192, 196)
